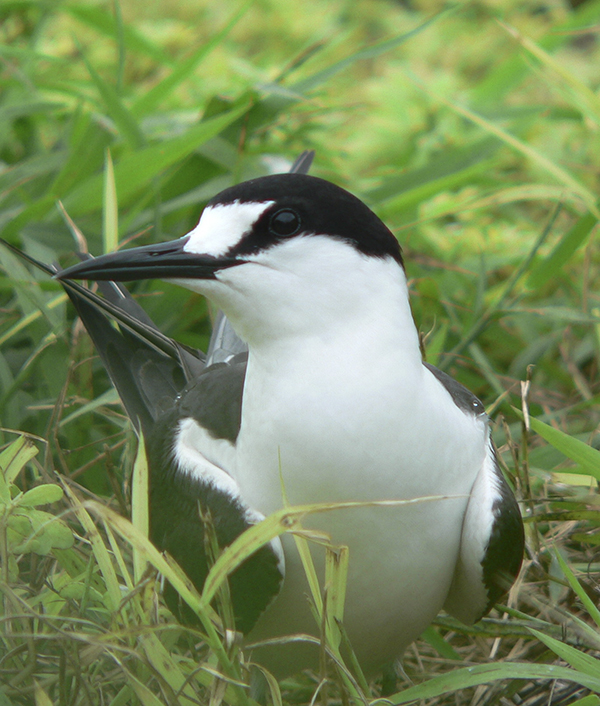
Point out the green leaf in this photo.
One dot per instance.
(101, 20)
(445, 649)
(25, 321)
(162, 661)
(557, 313)
(136, 170)
(15, 456)
(375, 50)
(140, 517)
(589, 700)
(587, 101)
(539, 159)
(110, 208)
(41, 495)
(510, 72)
(576, 658)
(41, 697)
(486, 673)
(31, 299)
(586, 456)
(37, 532)
(571, 241)
(57, 535)
(26, 108)
(123, 118)
(100, 551)
(445, 170)
(579, 590)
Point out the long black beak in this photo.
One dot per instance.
(162, 261)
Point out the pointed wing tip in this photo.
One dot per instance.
(303, 163)
(51, 270)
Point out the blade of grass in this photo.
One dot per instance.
(556, 171)
(140, 516)
(375, 50)
(509, 73)
(138, 169)
(15, 456)
(110, 208)
(445, 649)
(447, 169)
(578, 589)
(183, 69)
(88, 143)
(589, 700)
(576, 658)
(164, 664)
(180, 582)
(285, 520)
(32, 300)
(586, 98)
(113, 592)
(101, 20)
(116, 109)
(573, 239)
(486, 673)
(483, 320)
(586, 456)
(120, 37)
(336, 577)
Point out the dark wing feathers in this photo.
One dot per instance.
(179, 506)
(161, 382)
(303, 163)
(214, 398)
(463, 398)
(504, 553)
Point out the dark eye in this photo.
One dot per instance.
(284, 222)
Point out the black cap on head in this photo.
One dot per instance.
(321, 208)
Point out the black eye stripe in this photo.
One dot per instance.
(284, 222)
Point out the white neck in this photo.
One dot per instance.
(317, 292)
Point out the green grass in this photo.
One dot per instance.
(474, 132)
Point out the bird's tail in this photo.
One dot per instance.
(147, 368)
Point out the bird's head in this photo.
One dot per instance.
(270, 252)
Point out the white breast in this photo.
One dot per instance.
(339, 422)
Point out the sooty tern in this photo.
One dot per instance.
(316, 379)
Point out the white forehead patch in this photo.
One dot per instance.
(221, 227)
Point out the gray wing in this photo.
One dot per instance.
(162, 384)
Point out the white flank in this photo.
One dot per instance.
(467, 598)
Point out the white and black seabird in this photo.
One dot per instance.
(322, 385)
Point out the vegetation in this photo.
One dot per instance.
(474, 131)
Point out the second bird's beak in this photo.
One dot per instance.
(163, 261)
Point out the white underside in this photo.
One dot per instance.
(402, 559)
(467, 598)
(339, 406)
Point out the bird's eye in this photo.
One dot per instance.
(284, 222)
